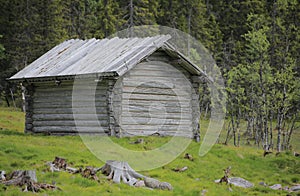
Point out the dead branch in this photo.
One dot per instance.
(226, 175)
(180, 169)
(90, 173)
(188, 156)
(60, 163)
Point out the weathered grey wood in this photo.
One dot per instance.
(120, 170)
(155, 73)
(132, 115)
(67, 116)
(159, 108)
(61, 110)
(66, 129)
(154, 97)
(155, 84)
(157, 127)
(178, 132)
(157, 121)
(70, 123)
(81, 87)
(28, 91)
(77, 105)
(163, 103)
(78, 98)
(156, 105)
(159, 82)
(69, 93)
(157, 91)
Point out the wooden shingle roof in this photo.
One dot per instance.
(106, 57)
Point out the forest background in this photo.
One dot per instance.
(255, 44)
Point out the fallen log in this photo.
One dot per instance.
(73, 170)
(180, 169)
(156, 184)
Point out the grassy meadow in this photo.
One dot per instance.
(26, 151)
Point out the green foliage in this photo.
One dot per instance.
(255, 43)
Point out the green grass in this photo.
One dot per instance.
(24, 151)
(11, 119)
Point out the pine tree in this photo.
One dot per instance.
(108, 18)
(138, 12)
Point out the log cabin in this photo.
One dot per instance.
(117, 87)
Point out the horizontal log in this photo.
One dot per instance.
(69, 129)
(77, 104)
(68, 116)
(154, 121)
(180, 115)
(160, 102)
(160, 72)
(64, 110)
(158, 91)
(70, 98)
(153, 129)
(175, 98)
(157, 109)
(179, 134)
(69, 93)
(77, 86)
(148, 84)
(83, 123)
(157, 82)
(156, 73)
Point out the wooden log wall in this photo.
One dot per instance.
(158, 97)
(52, 108)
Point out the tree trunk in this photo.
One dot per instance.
(228, 134)
(291, 130)
(7, 101)
(279, 131)
(271, 131)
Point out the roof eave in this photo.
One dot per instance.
(193, 68)
(63, 77)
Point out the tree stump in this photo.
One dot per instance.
(21, 177)
(117, 170)
(60, 163)
(27, 180)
